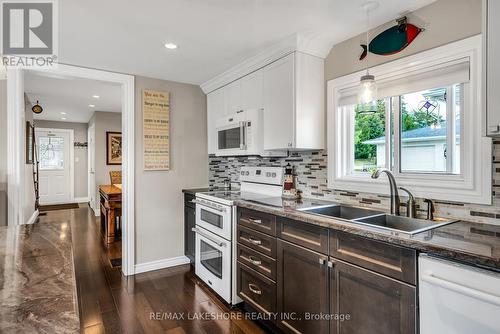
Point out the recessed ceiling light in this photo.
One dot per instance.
(91, 105)
(63, 113)
(171, 46)
(95, 96)
(63, 118)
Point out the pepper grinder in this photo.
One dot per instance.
(289, 190)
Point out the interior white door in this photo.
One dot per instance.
(54, 156)
(91, 150)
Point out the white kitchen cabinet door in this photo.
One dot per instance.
(279, 104)
(216, 104)
(233, 97)
(492, 67)
(252, 90)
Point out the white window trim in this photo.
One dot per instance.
(473, 185)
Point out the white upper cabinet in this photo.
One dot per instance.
(290, 90)
(279, 89)
(492, 40)
(233, 97)
(294, 116)
(216, 108)
(252, 90)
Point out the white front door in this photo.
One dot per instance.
(55, 165)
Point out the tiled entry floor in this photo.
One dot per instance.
(112, 303)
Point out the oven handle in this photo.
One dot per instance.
(195, 201)
(218, 243)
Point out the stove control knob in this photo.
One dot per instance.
(242, 173)
(247, 173)
(274, 174)
(268, 174)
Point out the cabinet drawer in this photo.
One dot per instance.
(303, 234)
(393, 261)
(259, 221)
(256, 289)
(259, 241)
(258, 262)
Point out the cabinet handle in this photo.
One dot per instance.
(330, 264)
(254, 288)
(254, 241)
(256, 221)
(321, 261)
(254, 260)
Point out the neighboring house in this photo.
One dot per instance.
(423, 149)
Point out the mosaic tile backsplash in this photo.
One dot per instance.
(311, 171)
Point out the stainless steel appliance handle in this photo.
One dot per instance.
(208, 205)
(243, 145)
(218, 243)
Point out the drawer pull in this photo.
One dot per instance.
(254, 288)
(254, 260)
(254, 241)
(255, 221)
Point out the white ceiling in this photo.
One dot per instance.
(212, 35)
(71, 96)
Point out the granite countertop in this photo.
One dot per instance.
(37, 280)
(193, 191)
(474, 243)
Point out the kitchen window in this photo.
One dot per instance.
(426, 127)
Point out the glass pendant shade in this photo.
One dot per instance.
(367, 91)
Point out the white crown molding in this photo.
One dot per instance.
(315, 44)
(161, 264)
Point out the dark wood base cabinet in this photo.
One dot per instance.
(302, 289)
(189, 223)
(324, 281)
(373, 303)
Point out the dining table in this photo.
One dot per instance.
(111, 210)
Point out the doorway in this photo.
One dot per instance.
(55, 157)
(19, 179)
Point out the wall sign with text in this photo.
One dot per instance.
(156, 129)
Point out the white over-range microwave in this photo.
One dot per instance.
(240, 133)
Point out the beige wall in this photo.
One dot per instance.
(159, 207)
(80, 155)
(3, 152)
(104, 122)
(444, 21)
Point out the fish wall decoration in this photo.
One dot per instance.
(393, 40)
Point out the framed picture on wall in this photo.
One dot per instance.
(29, 143)
(113, 148)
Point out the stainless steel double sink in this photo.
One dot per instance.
(377, 219)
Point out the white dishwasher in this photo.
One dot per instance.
(457, 298)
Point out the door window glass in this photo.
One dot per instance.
(211, 258)
(229, 139)
(211, 218)
(51, 153)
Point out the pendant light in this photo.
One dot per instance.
(367, 91)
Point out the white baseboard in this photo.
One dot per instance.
(33, 218)
(81, 199)
(161, 264)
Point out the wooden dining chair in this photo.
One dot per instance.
(116, 177)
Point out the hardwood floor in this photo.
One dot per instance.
(112, 303)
